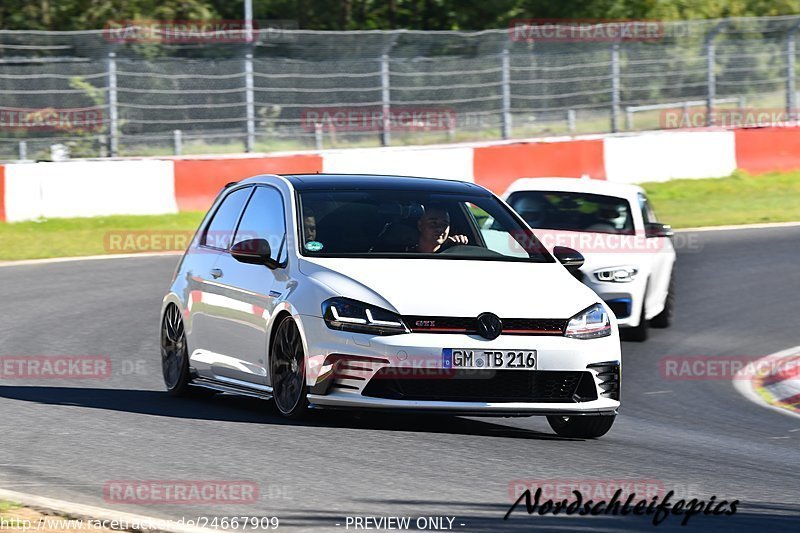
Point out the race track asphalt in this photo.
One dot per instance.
(737, 296)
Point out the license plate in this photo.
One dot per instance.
(490, 359)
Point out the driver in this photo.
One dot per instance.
(532, 209)
(434, 231)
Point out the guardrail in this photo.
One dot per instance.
(685, 105)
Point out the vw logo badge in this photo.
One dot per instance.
(489, 326)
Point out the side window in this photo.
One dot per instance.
(219, 231)
(647, 212)
(495, 235)
(264, 219)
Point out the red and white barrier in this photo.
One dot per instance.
(88, 189)
(199, 179)
(152, 185)
(449, 162)
(662, 156)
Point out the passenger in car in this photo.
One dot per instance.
(309, 225)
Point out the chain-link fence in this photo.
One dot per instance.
(102, 93)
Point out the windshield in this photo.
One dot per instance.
(411, 224)
(573, 211)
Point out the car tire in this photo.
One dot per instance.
(288, 370)
(664, 318)
(175, 358)
(581, 427)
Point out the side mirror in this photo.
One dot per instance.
(656, 229)
(254, 252)
(571, 259)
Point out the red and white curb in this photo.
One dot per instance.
(779, 387)
(135, 522)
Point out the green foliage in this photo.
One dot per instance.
(374, 14)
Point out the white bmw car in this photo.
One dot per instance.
(384, 292)
(629, 256)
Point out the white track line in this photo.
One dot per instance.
(743, 382)
(88, 512)
(25, 262)
(762, 225)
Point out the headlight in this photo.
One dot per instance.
(351, 315)
(590, 323)
(622, 274)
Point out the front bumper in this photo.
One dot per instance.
(343, 365)
(624, 299)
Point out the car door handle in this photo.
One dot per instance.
(216, 273)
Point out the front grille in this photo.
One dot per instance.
(484, 386)
(469, 325)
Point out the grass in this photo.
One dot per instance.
(10, 521)
(738, 199)
(92, 236)
(8, 506)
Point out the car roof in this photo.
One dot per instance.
(327, 182)
(593, 186)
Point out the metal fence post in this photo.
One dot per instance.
(711, 77)
(113, 116)
(318, 135)
(177, 141)
(386, 125)
(614, 87)
(23, 151)
(250, 140)
(506, 92)
(791, 73)
(571, 120)
(386, 90)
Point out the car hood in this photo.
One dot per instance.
(439, 287)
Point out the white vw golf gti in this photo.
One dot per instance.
(387, 293)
